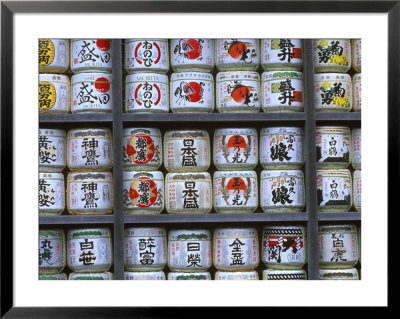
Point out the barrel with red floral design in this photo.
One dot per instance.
(92, 92)
(333, 92)
(141, 148)
(237, 54)
(192, 55)
(332, 55)
(238, 91)
(282, 91)
(143, 192)
(146, 93)
(91, 55)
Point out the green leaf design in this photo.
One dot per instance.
(87, 233)
(192, 236)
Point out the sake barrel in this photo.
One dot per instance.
(192, 55)
(235, 149)
(52, 256)
(282, 54)
(89, 149)
(53, 55)
(189, 250)
(235, 191)
(334, 190)
(51, 194)
(143, 192)
(142, 149)
(235, 249)
(89, 250)
(338, 246)
(282, 191)
(188, 193)
(145, 248)
(332, 55)
(90, 193)
(52, 150)
(54, 93)
(89, 55)
(186, 151)
(284, 247)
(237, 54)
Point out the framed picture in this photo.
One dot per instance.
(376, 23)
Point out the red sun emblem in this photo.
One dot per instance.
(237, 141)
(140, 148)
(143, 192)
(237, 50)
(103, 45)
(102, 85)
(192, 49)
(236, 185)
(194, 91)
(241, 94)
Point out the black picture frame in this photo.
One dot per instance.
(9, 8)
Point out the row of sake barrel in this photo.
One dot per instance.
(190, 150)
(267, 274)
(150, 249)
(156, 55)
(145, 192)
(193, 92)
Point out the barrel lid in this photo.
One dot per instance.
(52, 132)
(282, 130)
(130, 175)
(186, 133)
(332, 77)
(187, 176)
(142, 130)
(272, 75)
(53, 78)
(235, 75)
(282, 173)
(43, 175)
(147, 76)
(89, 132)
(192, 76)
(89, 232)
(189, 234)
(251, 174)
(95, 176)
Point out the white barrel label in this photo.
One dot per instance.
(334, 189)
(146, 55)
(333, 145)
(89, 251)
(89, 149)
(283, 247)
(51, 251)
(145, 249)
(91, 92)
(235, 249)
(192, 52)
(237, 51)
(338, 245)
(51, 193)
(147, 93)
(332, 52)
(187, 193)
(282, 147)
(236, 149)
(189, 251)
(281, 51)
(235, 192)
(52, 147)
(91, 54)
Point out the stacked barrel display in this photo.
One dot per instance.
(83, 156)
(191, 170)
(337, 80)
